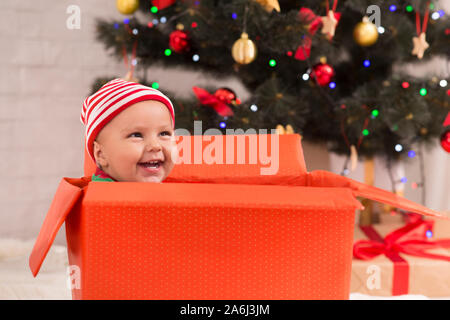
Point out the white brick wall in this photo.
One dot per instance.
(46, 72)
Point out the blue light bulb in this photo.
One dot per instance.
(366, 63)
(332, 85)
(392, 8)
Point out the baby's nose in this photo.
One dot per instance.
(153, 145)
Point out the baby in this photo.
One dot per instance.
(129, 132)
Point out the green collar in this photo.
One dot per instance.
(100, 175)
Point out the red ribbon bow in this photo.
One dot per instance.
(410, 239)
(307, 15)
(213, 101)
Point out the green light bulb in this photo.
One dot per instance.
(375, 113)
(155, 85)
(423, 92)
(167, 52)
(365, 132)
(272, 63)
(154, 9)
(409, 8)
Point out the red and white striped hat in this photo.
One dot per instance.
(112, 98)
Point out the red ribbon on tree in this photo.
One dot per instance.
(425, 20)
(214, 101)
(129, 66)
(447, 120)
(162, 4)
(307, 15)
(304, 50)
(410, 239)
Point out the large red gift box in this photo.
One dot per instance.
(213, 231)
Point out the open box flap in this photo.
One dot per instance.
(321, 178)
(70, 190)
(66, 196)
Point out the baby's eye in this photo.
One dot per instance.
(138, 134)
(166, 133)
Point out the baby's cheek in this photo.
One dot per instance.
(172, 153)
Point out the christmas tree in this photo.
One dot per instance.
(329, 70)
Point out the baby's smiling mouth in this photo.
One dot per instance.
(152, 164)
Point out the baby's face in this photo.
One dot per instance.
(127, 146)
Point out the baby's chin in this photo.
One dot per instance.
(154, 179)
(139, 178)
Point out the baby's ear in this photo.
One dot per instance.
(99, 155)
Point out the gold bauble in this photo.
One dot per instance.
(127, 6)
(365, 33)
(269, 5)
(244, 50)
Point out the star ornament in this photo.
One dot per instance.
(329, 24)
(420, 45)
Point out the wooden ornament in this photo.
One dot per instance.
(329, 24)
(420, 45)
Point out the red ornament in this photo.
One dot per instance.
(323, 73)
(405, 85)
(445, 140)
(179, 41)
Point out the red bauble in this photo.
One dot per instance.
(179, 41)
(227, 96)
(323, 73)
(445, 140)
